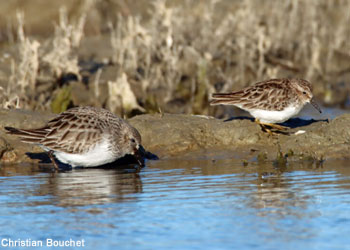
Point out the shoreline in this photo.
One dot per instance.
(173, 135)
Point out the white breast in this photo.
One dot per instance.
(267, 116)
(99, 155)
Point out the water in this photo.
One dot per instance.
(181, 204)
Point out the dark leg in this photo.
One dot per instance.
(52, 158)
(138, 168)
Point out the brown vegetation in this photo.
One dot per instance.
(171, 57)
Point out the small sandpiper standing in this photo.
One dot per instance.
(86, 137)
(271, 101)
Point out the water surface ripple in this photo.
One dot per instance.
(181, 204)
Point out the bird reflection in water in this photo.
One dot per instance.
(91, 186)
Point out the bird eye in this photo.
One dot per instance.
(304, 92)
(132, 140)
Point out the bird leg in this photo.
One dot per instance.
(52, 158)
(138, 168)
(266, 127)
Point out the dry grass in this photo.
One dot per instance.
(56, 57)
(24, 73)
(181, 54)
(60, 56)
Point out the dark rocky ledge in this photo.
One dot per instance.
(173, 135)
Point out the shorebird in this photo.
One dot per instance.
(272, 101)
(86, 137)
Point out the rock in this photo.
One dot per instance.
(14, 150)
(23, 118)
(3, 146)
(172, 135)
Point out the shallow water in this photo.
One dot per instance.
(211, 203)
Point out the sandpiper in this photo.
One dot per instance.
(271, 101)
(86, 137)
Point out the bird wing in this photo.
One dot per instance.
(69, 132)
(73, 132)
(28, 135)
(263, 95)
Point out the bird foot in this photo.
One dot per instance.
(272, 129)
(52, 158)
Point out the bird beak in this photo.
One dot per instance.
(313, 103)
(139, 154)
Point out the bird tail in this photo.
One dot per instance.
(27, 135)
(224, 98)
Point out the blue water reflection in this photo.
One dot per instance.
(180, 204)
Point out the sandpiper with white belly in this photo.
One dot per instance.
(86, 137)
(272, 101)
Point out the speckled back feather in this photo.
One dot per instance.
(76, 130)
(274, 94)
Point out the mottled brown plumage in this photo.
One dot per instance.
(274, 94)
(84, 136)
(270, 101)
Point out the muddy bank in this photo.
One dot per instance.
(172, 135)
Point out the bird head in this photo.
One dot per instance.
(303, 90)
(132, 140)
